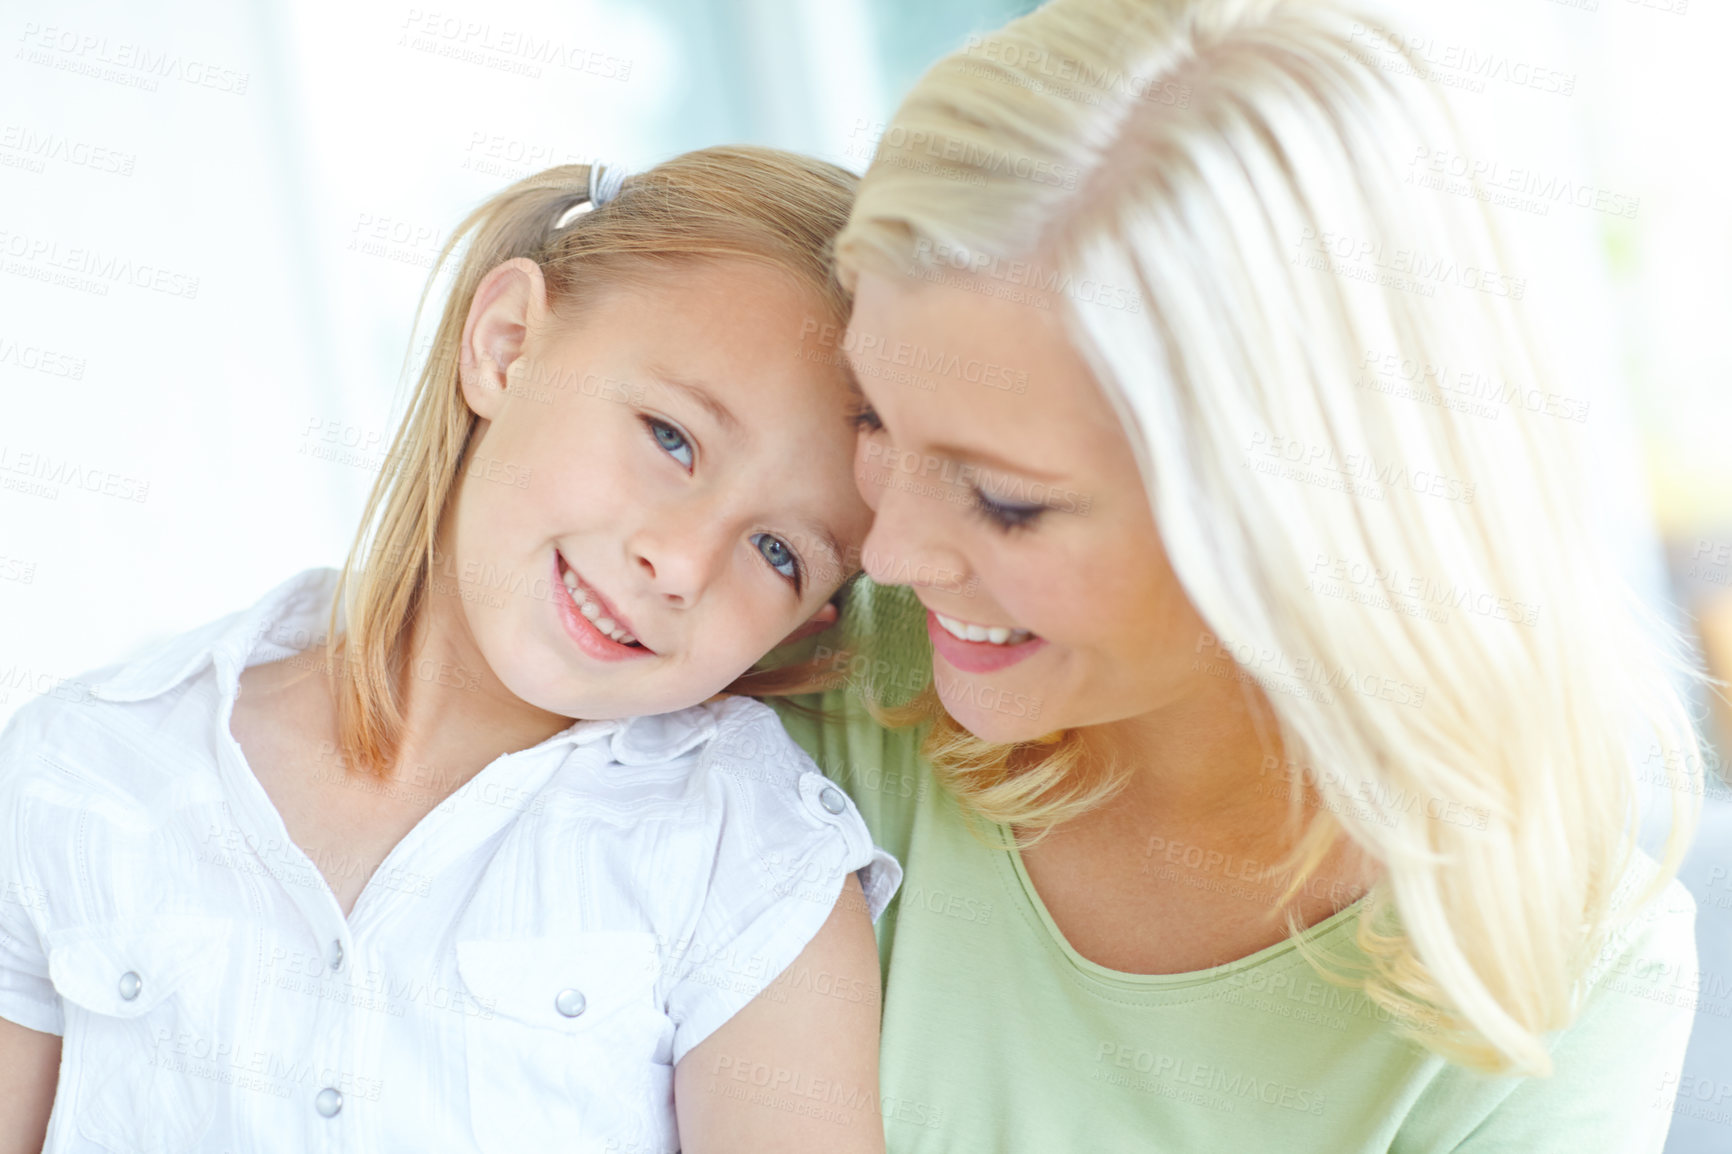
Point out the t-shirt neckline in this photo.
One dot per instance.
(1033, 905)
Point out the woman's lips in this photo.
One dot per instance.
(591, 640)
(977, 656)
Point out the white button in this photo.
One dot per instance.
(329, 1103)
(570, 1002)
(336, 954)
(130, 985)
(831, 799)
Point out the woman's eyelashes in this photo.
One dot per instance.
(865, 419)
(1004, 515)
(670, 440)
(1007, 516)
(780, 557)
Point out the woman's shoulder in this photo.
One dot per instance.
(1643, 910)
(1616, 1065)
(1649, 950)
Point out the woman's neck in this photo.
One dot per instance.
(1199, 758)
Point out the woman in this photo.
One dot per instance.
(1298, 684)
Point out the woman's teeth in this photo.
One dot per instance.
(587, 606)
(992, 634)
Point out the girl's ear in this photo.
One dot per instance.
(826, 616)
(510, 299)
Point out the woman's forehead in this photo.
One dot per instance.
(975, 364)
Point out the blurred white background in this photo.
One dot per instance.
(216, 218)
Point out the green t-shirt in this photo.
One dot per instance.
(999, 1037)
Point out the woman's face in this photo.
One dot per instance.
(1006, 494)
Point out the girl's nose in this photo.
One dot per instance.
(679, 560)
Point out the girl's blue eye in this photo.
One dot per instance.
(671, 441)
(780, 557)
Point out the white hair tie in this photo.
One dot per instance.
(605, 181)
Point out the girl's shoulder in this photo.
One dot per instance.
(765, 800)
(107, 728)
(750, 769)
(749, 738)
(736, 740)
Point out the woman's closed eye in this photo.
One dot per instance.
(780, 557)
(670, 440)
(1007, 516)
(865, 419)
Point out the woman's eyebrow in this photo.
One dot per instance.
(987, 458)
(701, 396)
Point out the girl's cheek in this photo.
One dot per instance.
(748, 621)
(585, 471)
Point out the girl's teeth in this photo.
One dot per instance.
(603, 625)
(994, 634)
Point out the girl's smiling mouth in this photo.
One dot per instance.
(597, 627)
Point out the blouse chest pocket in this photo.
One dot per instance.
(143, 1054)
(563, 1043)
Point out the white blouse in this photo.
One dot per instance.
(520, 975)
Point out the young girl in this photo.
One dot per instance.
(340, 872)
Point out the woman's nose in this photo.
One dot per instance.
(910, 539)
(868, 463)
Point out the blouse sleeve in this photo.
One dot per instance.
(1616, 1068)
(785, 839)
(883, 652)
(27, 997)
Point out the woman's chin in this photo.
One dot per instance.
(1009, 718)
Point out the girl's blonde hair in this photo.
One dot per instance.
(740, 202)
(1210, 192)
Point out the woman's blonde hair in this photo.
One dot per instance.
(740, 202)
(1211, 192)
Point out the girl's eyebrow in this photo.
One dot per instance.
(701, 396)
